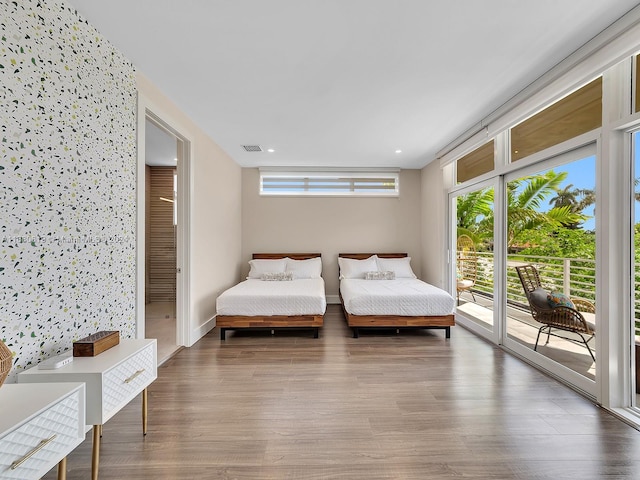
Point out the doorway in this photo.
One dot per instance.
(161, 163)
(155, 126)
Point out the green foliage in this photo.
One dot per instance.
(562, 242)
(525, 199)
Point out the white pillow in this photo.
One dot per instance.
(400, 266)
(352, 268)
(310, 268)
(260, 266)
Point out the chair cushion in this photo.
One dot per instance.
(538, 299)
(464, 284)
(557, 299)
(590, 318)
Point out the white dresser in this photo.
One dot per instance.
(113, 378)
(40, 425)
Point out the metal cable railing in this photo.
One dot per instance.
(575, 277)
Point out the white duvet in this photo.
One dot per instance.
(402, 296)
(254, 297)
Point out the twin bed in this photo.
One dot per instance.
(376, 291)
(391, 298)
(283, 290)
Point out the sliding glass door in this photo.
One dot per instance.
(473, 259)
(635, 264)
(551, 265)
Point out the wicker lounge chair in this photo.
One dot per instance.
(579, 320)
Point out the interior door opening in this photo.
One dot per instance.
(161, 225)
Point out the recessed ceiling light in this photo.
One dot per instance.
(270, 150)
(398, 151)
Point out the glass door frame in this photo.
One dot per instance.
(632, 145)
(584, 384)
(494, 333)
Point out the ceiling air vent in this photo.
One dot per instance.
(252, 148)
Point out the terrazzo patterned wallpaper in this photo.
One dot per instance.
(67, 182)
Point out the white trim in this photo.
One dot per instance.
(140, 219)
(205, 328)
(333, 299)
(474, 141)
(146, 108)
(492, 334)
(630, 417)
(630, 393)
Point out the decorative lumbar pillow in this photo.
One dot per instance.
(260, 266)
(277, 276)
(400, 266)
(375, 275)
(557, 299)
(352, 268)
(309, 268)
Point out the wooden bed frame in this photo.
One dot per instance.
(271, 322)
(356, 322)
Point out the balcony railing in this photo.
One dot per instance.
(575, 277)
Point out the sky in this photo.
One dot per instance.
(582, 174)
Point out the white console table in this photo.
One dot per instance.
(39, 426)
(113, 378)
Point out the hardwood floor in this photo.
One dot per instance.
(384, 406)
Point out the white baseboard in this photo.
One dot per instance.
(203, 329)
(333, 299)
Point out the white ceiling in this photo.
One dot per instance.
(344, 82)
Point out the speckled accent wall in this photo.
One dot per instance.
(67, 182)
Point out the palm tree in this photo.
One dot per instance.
(524, 199)
(577, 199)
(472, 212)
(588, 198)
(567, 196)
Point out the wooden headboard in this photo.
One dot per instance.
(362, 256)
(293, 256)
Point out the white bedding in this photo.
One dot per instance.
(255, 297)
(402, 296)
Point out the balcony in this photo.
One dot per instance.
(574, 277)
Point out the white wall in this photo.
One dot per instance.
(331, 225)
(433, 223)
(215, 214)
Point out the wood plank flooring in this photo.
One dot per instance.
(384, 406)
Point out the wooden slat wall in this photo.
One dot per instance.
(147, 229)
(161, 282)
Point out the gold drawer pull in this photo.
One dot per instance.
(36, 449)
(133, 377)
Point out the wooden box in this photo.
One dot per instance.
(95, 344)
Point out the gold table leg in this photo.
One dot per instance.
(144, 411)
(62, 469)
(95, 454)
